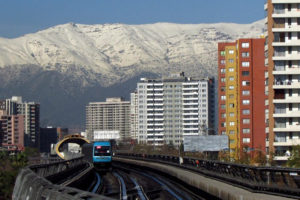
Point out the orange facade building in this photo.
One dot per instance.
(242, 97)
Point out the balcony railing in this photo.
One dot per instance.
(279, 53)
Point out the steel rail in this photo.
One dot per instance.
(123, 193)
(139, 189)
(164, 186)
(97, 184)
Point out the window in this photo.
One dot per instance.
(245, 54)
(223, 106)
(223, 124)
(222, 62)
(231, 141)
(223, 80)
(245, 45)
(231, 123)
(246, 112)
(223, 115)
(231, 87)
(223, 97)
(231, 105)
(245, 64)
(223, 132)
(246, 140)
(231, 51)
(222, 53)
(245, 92)
(231, 78)
(246, 130)
(245, 73)
(231, 132)
(230, 60)
(231, 114)
(246, 121)
(223, 71)
(246, 102)
(231, 96)
(223, 89)
(246, 83)
(231, 69)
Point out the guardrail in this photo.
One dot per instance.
(38, 182)
(269, 180)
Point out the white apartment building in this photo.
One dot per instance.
(171, 107)
(283, 60)
(111, 115)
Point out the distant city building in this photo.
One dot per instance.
(12, 131)
(242, 95)
(31, 112)
(62, 132)
(48, 136)
(283, 61)
(112, 115)
(171, 107)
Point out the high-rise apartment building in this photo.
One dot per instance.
(31, 112)
(283, 60)
(171, 107)
(114, 114)
(242, 96)
(12, 131)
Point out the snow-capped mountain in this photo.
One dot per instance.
(118, 51)
(67, 66)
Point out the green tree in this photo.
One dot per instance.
(294, 159)
(9, 169)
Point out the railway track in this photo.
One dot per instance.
(128, 184)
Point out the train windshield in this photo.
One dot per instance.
(102, 151)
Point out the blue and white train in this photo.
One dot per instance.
(98, 153)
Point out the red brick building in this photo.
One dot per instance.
(242, 96)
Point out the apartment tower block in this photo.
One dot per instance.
(171, 107)
(242, 96)
(112, 115)
(283, 60)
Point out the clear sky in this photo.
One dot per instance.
(18, 17)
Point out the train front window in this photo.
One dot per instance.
(102, 151)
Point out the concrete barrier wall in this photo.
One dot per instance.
(213, 187)
(31, 185)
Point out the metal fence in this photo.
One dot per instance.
(272, 180)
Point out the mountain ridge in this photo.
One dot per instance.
(66, 66)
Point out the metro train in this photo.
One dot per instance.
(98, 153)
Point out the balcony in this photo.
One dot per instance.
(290, 128)
(286, 84)
(282, 13)
(281, 158)
(190, 88)
(283, 28)
(287, 114)
(266, 6)
(190, 129)
(287, 100)
(290, 142)
(286, 70)
(286, 43)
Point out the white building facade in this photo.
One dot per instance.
(283, 60)
(171, 107)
